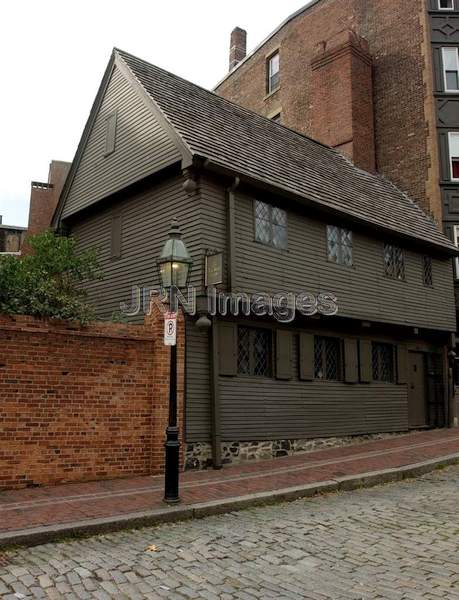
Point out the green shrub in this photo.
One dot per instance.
(46, 282)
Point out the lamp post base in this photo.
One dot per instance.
(172, 445)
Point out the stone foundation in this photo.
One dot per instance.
(199, 454)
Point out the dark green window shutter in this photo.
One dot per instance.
(306, 356)
(402, 356)
(115, 251)
(365, 361)
(351, 361)
(227, 348)
(283, 354)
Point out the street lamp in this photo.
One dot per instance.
(174, 269)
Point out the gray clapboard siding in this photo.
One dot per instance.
(198, 401)
(257, 408)
(142, 147)
(145, 220)
(363, 292)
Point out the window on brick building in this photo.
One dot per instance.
(456, 242)
(273, 72)
(451, 69)
(446, 4)
(394, 262)
(270, 225)
(454, 155)
(339, 245)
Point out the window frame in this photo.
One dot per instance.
(456, 243)
(427, 281)
(270, 243)
(444, 51)
(252, 331)
(340, 246)
(401, 253)
(451, 135)
(446, 9)
(393, 349)
(270, 89)
(339, 347)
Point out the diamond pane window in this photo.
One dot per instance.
(394, 262)
(243, 355)
(427, 277)
(339, 245)
(270, 225)
(327, 358)
(382, 359)
(254, 352)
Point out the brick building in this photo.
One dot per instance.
(377, 79)
(44, 198)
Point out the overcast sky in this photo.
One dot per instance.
(54, 54)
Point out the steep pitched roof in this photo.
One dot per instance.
(246, 143)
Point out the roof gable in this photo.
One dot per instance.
(143, 144)
(248, 144)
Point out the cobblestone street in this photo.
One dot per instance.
(391, 542)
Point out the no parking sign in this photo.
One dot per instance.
(170, 329)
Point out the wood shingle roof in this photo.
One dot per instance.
(248, 144)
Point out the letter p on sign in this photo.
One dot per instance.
(170, 329)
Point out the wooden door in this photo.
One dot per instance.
(417, 393)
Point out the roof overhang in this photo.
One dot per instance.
(320, 207)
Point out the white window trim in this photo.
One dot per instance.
(456, 243)
(452, 134)
(440, 7)
(445, 83)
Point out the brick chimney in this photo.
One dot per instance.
(238, 47)
(342, 98)
(44, 198)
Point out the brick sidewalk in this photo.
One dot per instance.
(29, 509)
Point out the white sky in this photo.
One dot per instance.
(54, 54)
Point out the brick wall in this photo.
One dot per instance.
(80, 404)
(396, 35)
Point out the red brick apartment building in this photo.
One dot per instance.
(377, 79)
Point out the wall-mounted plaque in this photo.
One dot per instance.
(214, 269)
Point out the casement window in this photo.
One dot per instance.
(451, 69)
(254, 352)
(427, 274)
(454, 155)
(445, 4)
(273, 73)
(327, 358)
(270, 225)
(339, 245)
(382, 362)
(394, 262)
(456, 242)
(110, 134)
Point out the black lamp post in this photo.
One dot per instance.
(174, 269)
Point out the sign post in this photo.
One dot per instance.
(170, 329)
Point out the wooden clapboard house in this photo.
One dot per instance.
(287, 214)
